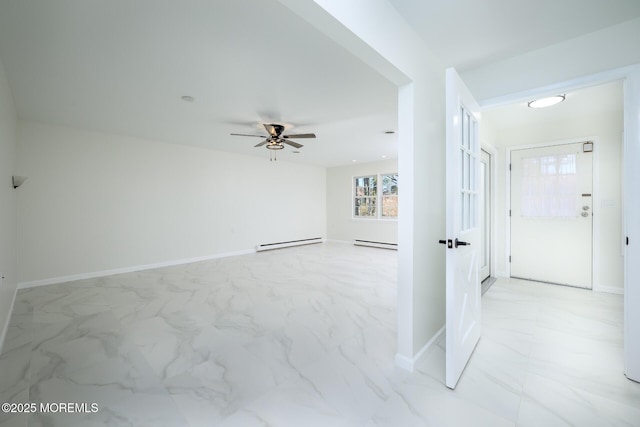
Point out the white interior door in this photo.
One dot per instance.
(463, 231)
(551, 214)
(485, 214)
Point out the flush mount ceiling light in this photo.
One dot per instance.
(546, 102)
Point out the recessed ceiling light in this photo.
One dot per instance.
(187, 98)
(389, 132)
(354, 161)
(384, 156)
(546, 102)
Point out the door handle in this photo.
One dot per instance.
(461, 243)
(449, 243)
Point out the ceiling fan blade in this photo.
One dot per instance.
(271, 129)
(293, 144)
(300, 135)
(244, 134)
(262, 143)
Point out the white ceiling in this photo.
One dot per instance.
(470, 33)
(121, 66)
(583, 103)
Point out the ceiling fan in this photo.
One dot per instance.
(275, 140)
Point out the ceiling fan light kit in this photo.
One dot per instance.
(275, 140)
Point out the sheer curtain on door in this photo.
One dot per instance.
(549, 187)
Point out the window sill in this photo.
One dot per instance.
(375, 219)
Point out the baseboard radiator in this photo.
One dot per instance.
(369, 243)
(279, 245)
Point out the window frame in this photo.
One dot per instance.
(378, 198)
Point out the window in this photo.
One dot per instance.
(549, 186)
(390, 196)
(368, 197)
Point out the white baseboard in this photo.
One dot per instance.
(102, 273)
(404, 362)
(372, 244)
(609, 289)
(408, 363)
(502, 274)
(280, 245)
(8, 319)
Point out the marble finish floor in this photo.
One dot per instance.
(305, 337)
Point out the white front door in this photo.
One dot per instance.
(463, 227)
(551, 214)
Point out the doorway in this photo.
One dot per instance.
(552, 214)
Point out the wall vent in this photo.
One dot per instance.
(279, 245)
(382, 245)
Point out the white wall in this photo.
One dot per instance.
(374, 31)
(608, 216)
(340, 222)
(96, 202)
(7, 202)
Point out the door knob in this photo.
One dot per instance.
(461, 243)
(585, 214)
(585, 208)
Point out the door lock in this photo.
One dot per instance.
(449, 243)
(585, 208)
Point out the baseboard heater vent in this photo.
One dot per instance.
(278, 245)
(383, 245)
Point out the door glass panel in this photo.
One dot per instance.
(473, 210)
(465, 129)
(472, 133)
(462, 153)
(466, 211)
(469, 170)
(549, 187)
(462, 211)
(465, 183)
(472, 177)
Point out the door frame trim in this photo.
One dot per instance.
(493, 152)
(595, 234)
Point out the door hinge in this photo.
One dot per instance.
(509, 258)
(509, 212)
(627, 240)
(509, 166)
